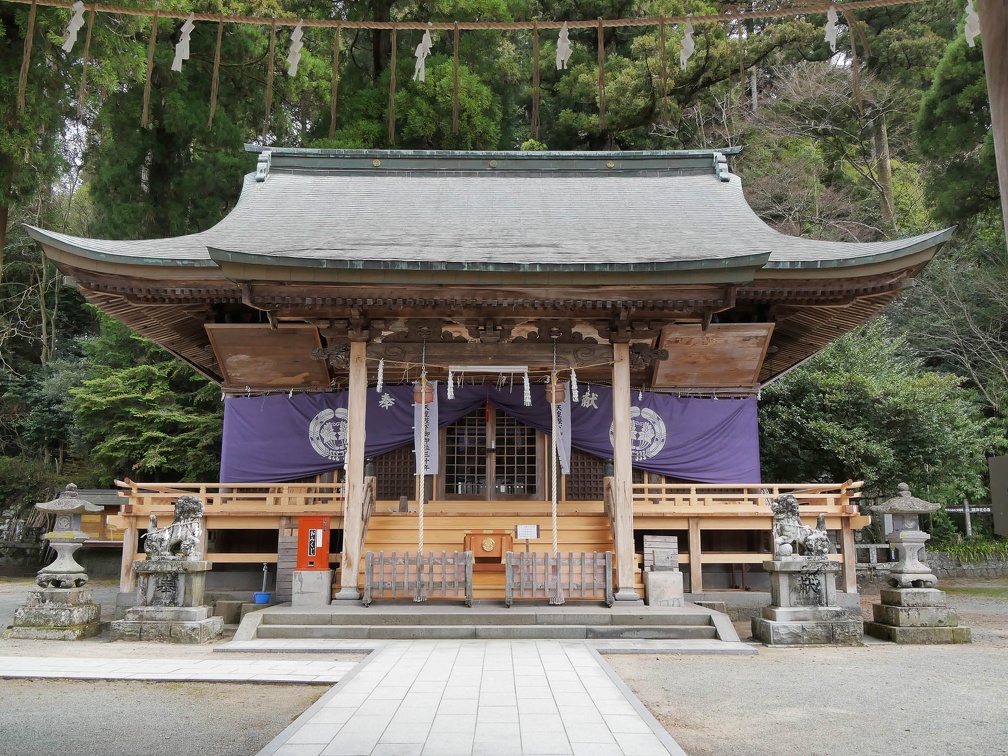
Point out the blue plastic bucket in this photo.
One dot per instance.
(261, 597)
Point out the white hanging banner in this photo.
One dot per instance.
(563, 417)
(431, 427)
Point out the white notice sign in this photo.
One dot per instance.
(526, 532)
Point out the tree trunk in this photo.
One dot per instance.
(883, 169)
(994, 37)
(4, 215)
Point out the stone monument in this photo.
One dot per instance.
(912, 609)
(171, 582)
(663, 582)
(63, 608)
(803, 608)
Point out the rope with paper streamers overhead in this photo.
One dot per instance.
(740, 15)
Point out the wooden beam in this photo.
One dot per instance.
(994, 38)
(695, 556)
(353, 518)
(127, 579)
(626, 560)
(516, 353)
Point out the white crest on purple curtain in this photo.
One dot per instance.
(647, 433)
(328, 434)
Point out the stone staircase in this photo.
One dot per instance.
(407, 621)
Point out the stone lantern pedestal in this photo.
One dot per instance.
(912, 609)
(62, 608)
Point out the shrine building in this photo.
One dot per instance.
(572, 341)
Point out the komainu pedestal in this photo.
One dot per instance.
(171, 583)
(803, 609)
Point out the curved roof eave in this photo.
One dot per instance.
(91, 249)
(915, 245)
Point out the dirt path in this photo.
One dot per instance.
(880, 698)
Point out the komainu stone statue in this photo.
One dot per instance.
(181, 539)
(792, 535)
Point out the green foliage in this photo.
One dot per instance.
(145, 414)
(24, 482)
(943, 530)
(953, 132)
(975, 550)
(866, 408)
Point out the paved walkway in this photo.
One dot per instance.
(421, 697)
(477, 697)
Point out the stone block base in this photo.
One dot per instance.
(663, 588)
(193, 624)
(919, 635)
(840, 632)
(311, 587)
(916, 615)
(56, 614)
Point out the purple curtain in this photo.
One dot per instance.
(276, 437)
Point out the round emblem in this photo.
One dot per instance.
(488, 544)
(647, 433)
(328, 433)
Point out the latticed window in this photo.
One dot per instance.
(395, 471)
(489, 455)
(584, 483)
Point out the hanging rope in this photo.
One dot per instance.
(150, 68)
(269, 79)
(601, 75)
(335, 84)
(391, 106)
(534, 126)
(455, 95)
(553, 457)
(665, 109)
(422, 495)
(83, 82)
(23, 78)
(216, 74)
(853, 27)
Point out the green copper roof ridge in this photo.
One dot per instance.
(754, 261)
(489, 154)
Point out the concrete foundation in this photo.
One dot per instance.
(663, 588)
(311, 587)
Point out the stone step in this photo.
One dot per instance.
(373, 617)
(498, 631)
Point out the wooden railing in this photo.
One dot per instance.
(235, 498)
(680, 498)
(405, 576)
(558, 577)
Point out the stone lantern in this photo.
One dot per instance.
(912, 610)
(907, 538)
(62, 609)
(65, 538)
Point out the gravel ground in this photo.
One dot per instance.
(881, 698)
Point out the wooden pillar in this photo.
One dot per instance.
(994, 37)
(353, 515)
(127, 578)
(848, 577)
(622, 517)
(695, 557)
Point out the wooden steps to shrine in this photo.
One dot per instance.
(489, 529)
